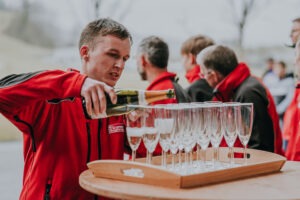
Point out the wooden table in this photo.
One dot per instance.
(281, 185)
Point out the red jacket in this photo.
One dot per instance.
(162, 82)
(193, 74)
(291, 128)
(58, 140)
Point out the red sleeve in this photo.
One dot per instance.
(19, 91)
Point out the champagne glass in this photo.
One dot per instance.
(202, 135)
(231, 117)
(164, 123)
(151, 135)
(245, 126)
(215, 127)
(194, 128)
(197, 126)
(174, 138)
(134, 129)
(187, 133)
(182, 126)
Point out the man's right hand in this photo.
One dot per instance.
(93, 92)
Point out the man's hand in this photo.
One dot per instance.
(93, 92)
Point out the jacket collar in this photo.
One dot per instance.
(225, 89)
(193, 74)
(161, 77)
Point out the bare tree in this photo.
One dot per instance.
(124, 11)
(124, 8)
(97, 6)
(241, 11)
(20, 21)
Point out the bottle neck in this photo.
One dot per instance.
(158, 95)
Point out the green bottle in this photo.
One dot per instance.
(130, 97)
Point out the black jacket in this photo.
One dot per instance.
(200, 91)
(251, 90)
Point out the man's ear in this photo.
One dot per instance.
(84, 52)
(144, 60)
(218, 77)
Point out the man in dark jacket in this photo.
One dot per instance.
(199, 90)
(46, 106)
(232, 81)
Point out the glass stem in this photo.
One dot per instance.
(164, 159)
(186, 159)
(191, 158)
(173, 161)
(133, 156)
(179, 157)
(245, 155)
(215, 150)
(150, 158)
(231, 156)
(198, 153)
(147, 157)
(218, 153)
(204, 159)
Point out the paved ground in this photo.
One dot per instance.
(11, 170)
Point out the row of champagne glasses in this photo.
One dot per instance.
(181, 126)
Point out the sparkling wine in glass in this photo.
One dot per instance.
(134, 136)
(164, 124)
(151, 135)
(134, 130)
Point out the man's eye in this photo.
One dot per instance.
(116, 56)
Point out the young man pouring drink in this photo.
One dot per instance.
(46, 106)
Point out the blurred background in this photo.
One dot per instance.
(43, 34)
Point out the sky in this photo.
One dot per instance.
(268, 25)
(269, 22)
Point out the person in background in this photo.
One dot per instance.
(152, 65)
(269, 66)
(199, 90)
(291, 126)
(283, 89)
(291, 115)
(295, 31)
(232, 81)
(269, 77)
(46, 106)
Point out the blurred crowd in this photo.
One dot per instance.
(214, 73)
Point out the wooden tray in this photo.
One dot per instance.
(259, 163)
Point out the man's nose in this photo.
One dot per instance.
(120, 63)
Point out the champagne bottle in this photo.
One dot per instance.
(130, 96)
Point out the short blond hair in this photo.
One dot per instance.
(196, 44)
